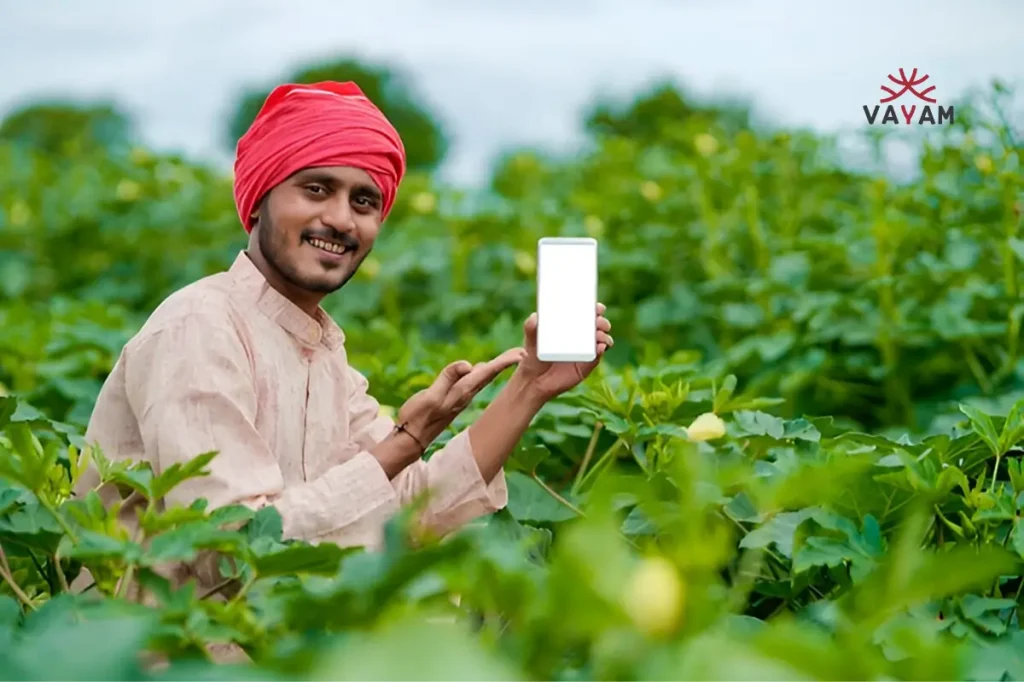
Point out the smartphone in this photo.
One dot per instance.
(566, 299)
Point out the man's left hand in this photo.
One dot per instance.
(551, 379)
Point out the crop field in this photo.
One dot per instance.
(799, 461)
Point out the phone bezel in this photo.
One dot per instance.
(562, 241)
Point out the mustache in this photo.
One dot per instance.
(343, 238)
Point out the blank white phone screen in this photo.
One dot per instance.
(566, 299)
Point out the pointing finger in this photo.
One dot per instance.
(448, 377)
(484, 373)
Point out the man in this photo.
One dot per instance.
(247, 363)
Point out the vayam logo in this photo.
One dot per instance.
(917, 105)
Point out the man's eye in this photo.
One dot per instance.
(316, 189)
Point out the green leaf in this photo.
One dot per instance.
(778, 531)
(1017, 537)
(529, 502)
(979, 611)
(1013, 427)
(180, 472)
(509, 545)
(8, 498)
(107, 649)
(724, 393)
(1000, 659)
(759, 424)
(231, 515)
(95, 546)
(439, 652)
(185, 542)
(32, 525)
(907, 579)
(1014, 469)
(982, 425)
(323, 559)
(833, 540)
(140, 480)
(265, 523)
(10, 613)
(528, 459)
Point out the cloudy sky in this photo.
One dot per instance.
(508, 73)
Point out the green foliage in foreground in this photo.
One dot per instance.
(782, 550)
(747, 274)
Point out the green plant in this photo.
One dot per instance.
(800, 461)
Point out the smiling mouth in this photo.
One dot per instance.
(329, 247)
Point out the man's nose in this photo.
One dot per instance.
(338, 214)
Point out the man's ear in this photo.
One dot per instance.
(261, 206)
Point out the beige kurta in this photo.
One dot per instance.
(229, 364)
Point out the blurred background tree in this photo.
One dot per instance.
(644, 116)
(64, 126)
(426, 143)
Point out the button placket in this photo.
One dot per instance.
(307, 359)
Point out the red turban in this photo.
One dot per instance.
(322, 124)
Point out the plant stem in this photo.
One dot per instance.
(599, 465)
(995, 470)
(217, 588)
(70, 533)
(555, 495)
(1016, 598)
(591, 446)
(5, 573)
(61, 578)
(976, 369)
(244, 589)
(747, 575)
(125, 580)
(957, 530)
(60, 520)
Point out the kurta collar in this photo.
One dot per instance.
(322, 331)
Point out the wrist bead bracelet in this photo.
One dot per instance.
(402, 427)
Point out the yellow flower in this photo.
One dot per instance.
(654, 596)
(526, 262)
(20, 214)
(424, 202)
(594, 226)
(707, 426)
(128, 190)
(984, 163)
(705, 144)
(651, 190)
(139, 155)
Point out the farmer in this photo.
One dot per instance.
(247, 363)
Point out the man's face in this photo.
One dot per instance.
(316, 227)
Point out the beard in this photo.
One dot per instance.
(274, 248)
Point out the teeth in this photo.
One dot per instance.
(327, 246)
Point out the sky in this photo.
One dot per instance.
(502, 74)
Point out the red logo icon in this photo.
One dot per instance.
(908, 85)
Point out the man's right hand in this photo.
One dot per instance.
(428, 413)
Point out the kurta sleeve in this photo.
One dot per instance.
(456, 491)
(192, 388)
